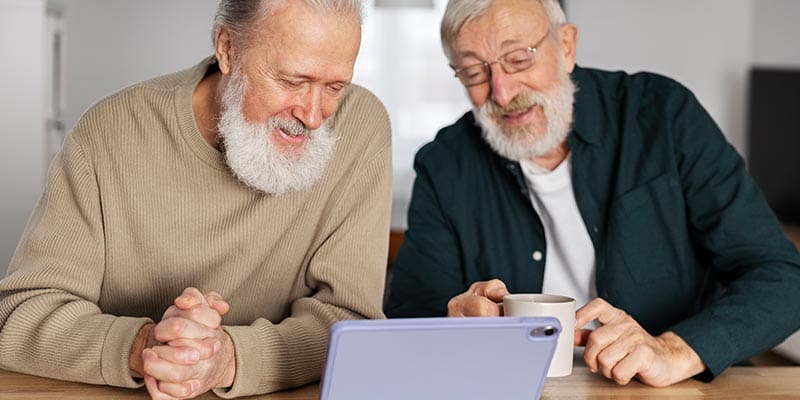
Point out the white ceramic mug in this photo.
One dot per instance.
(548, 305)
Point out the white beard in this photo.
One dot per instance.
(253, 158)
(523, 142)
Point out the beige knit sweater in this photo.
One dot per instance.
(138, 207)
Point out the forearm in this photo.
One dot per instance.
(57, 335)
(272, 357)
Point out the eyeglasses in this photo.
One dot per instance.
(512, 62)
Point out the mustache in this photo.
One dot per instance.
(520, 102)
(290, 126)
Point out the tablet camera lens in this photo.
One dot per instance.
(543, 331)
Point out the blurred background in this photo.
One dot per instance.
(739, 57)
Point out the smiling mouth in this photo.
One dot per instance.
(291, 137)
(517, 117)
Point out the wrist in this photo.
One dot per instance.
(686, 361)
(144, 340)
(230, 370)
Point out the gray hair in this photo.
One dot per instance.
(459, 12)
(237, 16)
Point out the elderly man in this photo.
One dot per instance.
(261, 177)
(618, 190)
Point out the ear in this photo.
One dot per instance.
(568, 35)
(224, 50)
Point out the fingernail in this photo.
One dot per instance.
(194, 355)
(217, 346)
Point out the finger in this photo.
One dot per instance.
(200, 313)
(496, 293)
(598, 309)
(190, 298)
(589, 311)
(615, 340)
(595, 342)
(611, 355)
(152, 389)
(181, 355)
(183, 390)
(217, 302)
(455, 305)
(181, 328)
(477, 306)
(165, 371)
(636, 362)
(581, 336)
(488, 288)
(206, 347)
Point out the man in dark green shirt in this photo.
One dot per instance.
(658, 225)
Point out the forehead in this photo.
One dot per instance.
(297, 39)
(506, 24)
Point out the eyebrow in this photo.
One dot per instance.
(472, 54)
(309, 78)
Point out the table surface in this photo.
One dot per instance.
(735, 383)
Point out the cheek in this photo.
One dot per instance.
(259, 106)
(329, 106)
(478, 94)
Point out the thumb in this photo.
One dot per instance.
(496, 293)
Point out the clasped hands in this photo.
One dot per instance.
(620, 348)
(187, 353)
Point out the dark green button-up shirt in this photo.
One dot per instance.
(684, 240)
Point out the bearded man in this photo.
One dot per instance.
(617, 190)
(204, 229)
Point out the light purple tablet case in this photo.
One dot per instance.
(439, 358)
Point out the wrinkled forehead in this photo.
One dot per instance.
(504, 26)
(308, 42)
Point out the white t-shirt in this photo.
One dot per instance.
(570, 265)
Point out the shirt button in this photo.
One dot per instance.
(537, 255)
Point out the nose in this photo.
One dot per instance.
(503, 87)
(309, 108)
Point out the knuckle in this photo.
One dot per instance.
(176, 325)
(604, 360)
(495, 282)
(453, 305)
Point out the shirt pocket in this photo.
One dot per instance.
(648, 232)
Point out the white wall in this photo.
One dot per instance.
(706, 45)
(776, 33)
(111, 44)
(22, 110)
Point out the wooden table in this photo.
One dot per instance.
(735, 383)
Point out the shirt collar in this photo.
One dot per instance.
(588, 120)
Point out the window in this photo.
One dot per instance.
(402, 62)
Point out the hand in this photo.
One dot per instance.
(480, 300)
(198, 354)
(188, 302)
(621, 349)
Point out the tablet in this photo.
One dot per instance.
(439, 358)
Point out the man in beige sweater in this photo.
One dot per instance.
(204, 229)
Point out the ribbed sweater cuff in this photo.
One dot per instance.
(248, 363)
(114, 364)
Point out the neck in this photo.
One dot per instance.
(206, 107)
(554, 158)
